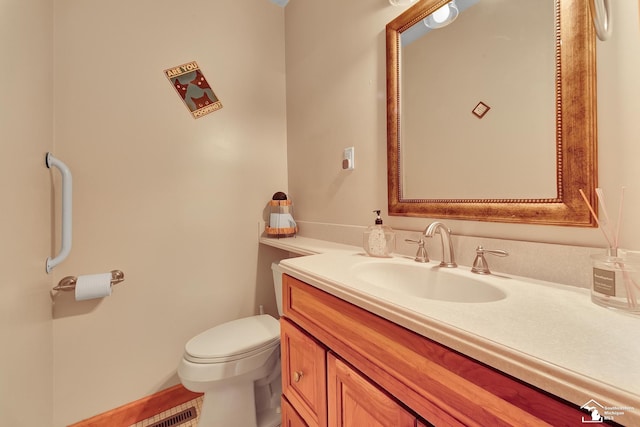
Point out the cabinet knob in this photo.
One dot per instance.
(297, 376)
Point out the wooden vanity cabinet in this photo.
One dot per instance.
(325, 390)
(304, 374)
(344, 366)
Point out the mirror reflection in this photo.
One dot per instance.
(478, 126)
(517, 132)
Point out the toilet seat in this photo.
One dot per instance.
(234, 340)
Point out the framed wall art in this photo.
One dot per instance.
(191, 85)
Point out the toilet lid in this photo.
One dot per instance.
(234, 339)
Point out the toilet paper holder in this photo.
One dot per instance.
(69, 283)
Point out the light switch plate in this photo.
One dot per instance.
(348, 159)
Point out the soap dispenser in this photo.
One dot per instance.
(379, 240)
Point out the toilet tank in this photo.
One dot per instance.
(277, 284)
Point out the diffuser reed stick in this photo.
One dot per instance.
(613, 241)
(616, 239)
(595, 217)
(606, 224)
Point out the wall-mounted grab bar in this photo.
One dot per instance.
(65, 233)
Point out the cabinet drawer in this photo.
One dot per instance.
(304, 374)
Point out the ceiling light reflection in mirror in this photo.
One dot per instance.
(442, 17)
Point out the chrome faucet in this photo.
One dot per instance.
(448, 257)
(480, 265)
(421, 254)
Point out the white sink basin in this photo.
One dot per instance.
(426, 281)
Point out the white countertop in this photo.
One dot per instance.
(549, 335)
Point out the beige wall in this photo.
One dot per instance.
(26, 362)
(172, 201)
(336, 98)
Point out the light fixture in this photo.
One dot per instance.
(442, 16)
(401, 2)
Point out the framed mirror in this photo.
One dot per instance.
(493, 117)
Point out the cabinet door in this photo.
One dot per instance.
(290, 418)
(355, 402)
(304, 374)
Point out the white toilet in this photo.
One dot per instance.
(237, 367)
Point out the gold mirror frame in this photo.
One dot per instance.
(576, 131)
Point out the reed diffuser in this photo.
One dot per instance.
(616, 272)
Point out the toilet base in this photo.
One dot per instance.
(268, 394)
(241, 403)
(236, 406)
(270, 418)
(226, 406)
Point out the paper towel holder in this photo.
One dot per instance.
(69, 283)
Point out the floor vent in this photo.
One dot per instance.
(177, 419)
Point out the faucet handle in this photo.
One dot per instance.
(421, 255)
(480, 265)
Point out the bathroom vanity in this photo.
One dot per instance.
(520, 352)
(345, 366)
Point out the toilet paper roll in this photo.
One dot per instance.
(92, 286)
(281, 220)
